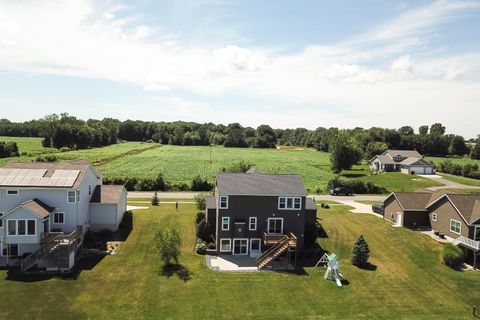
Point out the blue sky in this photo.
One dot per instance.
(284, 63)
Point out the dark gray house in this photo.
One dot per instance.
(261, 215)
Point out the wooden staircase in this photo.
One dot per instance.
(283, 243)
(59, 243)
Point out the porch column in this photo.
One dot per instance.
(475, 253)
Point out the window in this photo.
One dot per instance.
(225, 223)
(89, 189)
(455, 226)
(225, 245)
(31, 227)
(21, 227)
(289, 203)
(12, 227)
(71, 196)
(254, 245)
(59, 218)
(252, 223)
(275, 225)
(223, 202)
(12, 192)
(240, 246)
(434, 216)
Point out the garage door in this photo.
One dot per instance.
(417, 170)
(428, 170)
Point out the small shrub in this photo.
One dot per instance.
(201, 201)
(199, 217)
(65, 149)
(201, 247)
(211, 245)
(46, 158)
(155, 200)
(327, 206)
(322, 205)
(452, 255)
(203, 230)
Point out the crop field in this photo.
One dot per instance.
(180, 165)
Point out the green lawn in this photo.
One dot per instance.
(400, 182)
(462, 180)
(410, 280)
(27, 144)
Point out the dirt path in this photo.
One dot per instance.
(121, 155)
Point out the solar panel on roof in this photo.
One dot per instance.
(37, 177)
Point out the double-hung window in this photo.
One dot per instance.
(289, 203)
(58, 217)
(225, 223)
(455, 226)
(71, 196)
(223, 202)
(252, 223)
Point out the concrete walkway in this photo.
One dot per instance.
(447, 184)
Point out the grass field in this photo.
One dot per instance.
(462, 180)
(461, 161)
(27, 144)
(410, 281)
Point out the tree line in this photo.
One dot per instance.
(64, 130)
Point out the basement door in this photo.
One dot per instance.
(240, 246)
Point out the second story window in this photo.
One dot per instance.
(289, 203)
(252, 223)
(455, 226)
(223, 202)
(434, 216)
(71, 196)
(225, 223)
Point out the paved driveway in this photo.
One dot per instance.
(447, 183)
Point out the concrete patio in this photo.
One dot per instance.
(232, 263)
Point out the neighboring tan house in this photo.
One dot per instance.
(261, 215)
(455, 215)
(406, 161)
(46, 209)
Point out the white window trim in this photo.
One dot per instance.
(434, 216)
(13, 195)
(228, 228)
(268, 225)
(26, 228)
(247, 246)
(250, 223)
(59, 223)
(286, 203)
(220, 202)
(68, 196)
(460, 228)
(259, 247)
(229, 244)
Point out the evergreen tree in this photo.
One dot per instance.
(360, 252)
(155, 200)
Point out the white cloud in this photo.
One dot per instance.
(90, 39)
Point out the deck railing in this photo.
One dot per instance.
(472, 244)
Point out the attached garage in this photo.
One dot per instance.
(107, 207)
(417, 170)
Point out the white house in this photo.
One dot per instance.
(46, 209)
(406, 161)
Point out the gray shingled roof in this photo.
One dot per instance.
(107, 194)
(310, 204)
(260, 184)
(468, 205)
(37, 207)
(211, 203)
(404, 153)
